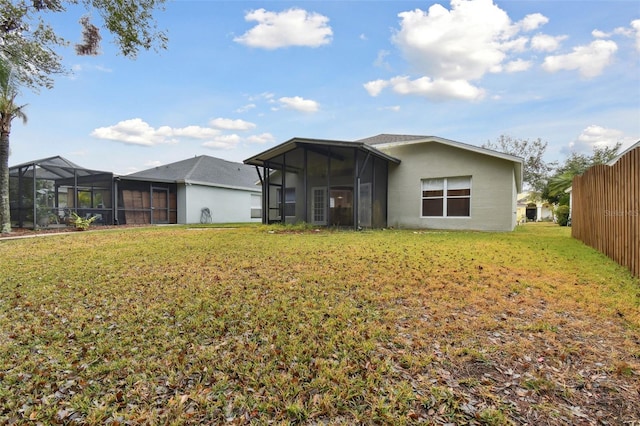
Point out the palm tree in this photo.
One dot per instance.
(560, 183)
(8, 111)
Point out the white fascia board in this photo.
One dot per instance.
(217, 185)
(435, 139)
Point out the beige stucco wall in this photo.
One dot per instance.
(493, 195)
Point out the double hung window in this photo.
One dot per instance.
(446, 197)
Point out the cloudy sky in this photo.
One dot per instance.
(240, 77)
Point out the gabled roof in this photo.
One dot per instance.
(201, 170)
(291, 144)
(53, 168)
(383, 141)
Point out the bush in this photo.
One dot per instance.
(81, 223)
(562, 215)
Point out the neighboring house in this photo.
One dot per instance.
(532, 210)
(45, 192)
(207, 190)
(390, 180)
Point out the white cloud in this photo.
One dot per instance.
(590, 60)
(85, 67)
(516, 45)
(438, 89)
(229, 124)
(194, 132)
(462, 43)
(380, 59)
(262, 96)
(636, 26)
(546, 43)
(449, 49)
(293, 27)
(633, 31)
(595, 136)
(600, 34)
(262, 138)
(138, 132)
(299, 104)
(223, 142)
(394, 108)
(375, 87)
(533, 21)
(153, 163)
(246, 108)
(518, 65)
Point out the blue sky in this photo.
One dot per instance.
(240, 77)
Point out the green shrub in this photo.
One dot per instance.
(562, 215)
(81, 223)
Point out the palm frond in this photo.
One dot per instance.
(559, 183)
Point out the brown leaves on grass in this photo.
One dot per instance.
(158, 326)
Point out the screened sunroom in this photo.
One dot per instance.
(323, 182)
(44, 193)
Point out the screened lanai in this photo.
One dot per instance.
(323, 182)
(44, 193)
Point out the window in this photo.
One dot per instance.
(446, 197)
(289, 201)
(256, 206)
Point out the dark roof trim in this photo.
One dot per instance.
(291, 144)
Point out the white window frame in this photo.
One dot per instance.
(445, 197)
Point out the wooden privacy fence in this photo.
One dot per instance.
(606, 209)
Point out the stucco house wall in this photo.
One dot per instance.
(493, 187)
(225, 204)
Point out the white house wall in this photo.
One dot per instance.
(226, 205)
(493, 199)
(181, 204)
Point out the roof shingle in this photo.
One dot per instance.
(205, 170)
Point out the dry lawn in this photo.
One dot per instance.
(269, 325)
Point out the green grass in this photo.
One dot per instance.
(290, 325)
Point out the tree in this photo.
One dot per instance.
(576, 164)
(535, 170)
(29, 59)
(8, 112)
(29, 42)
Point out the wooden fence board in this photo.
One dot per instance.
(606, 210)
